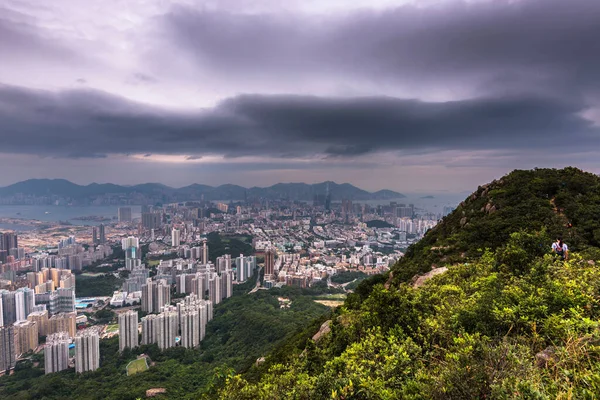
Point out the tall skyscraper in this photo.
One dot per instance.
(205, 259)
(147, 296)
(24, 303)
(133, 254)
(8, 357)
(9, 309)
(95, 235)
(128, 330)
(124, 214)
(269, 262)
(150, 220)
(101, 234)
(56, 352)
(87, 351)
(175, 238)
(8, 240)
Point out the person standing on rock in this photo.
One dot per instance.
(560, 249)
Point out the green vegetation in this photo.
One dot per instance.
(244, 328)
(219, 245)
(376, 223)
(103, 285)
(507, 320)
(348, 276)
(139, 365)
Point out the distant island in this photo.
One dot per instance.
(428, 197)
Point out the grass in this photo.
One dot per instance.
(335, 296)
(113, 328)
(330, 303)
(153, 263)
(139, 365)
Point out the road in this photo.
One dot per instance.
(257, 286)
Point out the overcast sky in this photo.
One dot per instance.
(415, 96)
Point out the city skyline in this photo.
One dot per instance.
(431, 95)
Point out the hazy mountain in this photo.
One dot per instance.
(292, 191)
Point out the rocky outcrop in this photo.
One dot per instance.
(420, 280)
(324, 330)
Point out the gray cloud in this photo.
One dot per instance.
(483, 81)
(541, 45)
(85, 123)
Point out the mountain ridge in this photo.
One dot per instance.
(293, 191)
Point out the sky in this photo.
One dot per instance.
(407, 95)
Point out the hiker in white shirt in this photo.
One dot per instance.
(560, 249)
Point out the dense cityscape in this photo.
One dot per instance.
(170, 280)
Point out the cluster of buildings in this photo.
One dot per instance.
(184, 323)
(302, 243)
(87, 351)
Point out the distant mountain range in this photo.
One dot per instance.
(292, 191)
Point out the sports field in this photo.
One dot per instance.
(139, 365)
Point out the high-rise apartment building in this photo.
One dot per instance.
(101, 234)
(175, 237)
(56, 352)
(223, 263)
(124, 214)
(226, 284)
(24, 303)
(63, 322)
(214, 289)
(9, 307)
(26, 336)
(128, 330)
(150, 220)
(199, 285)
(41, 319)
(190, 328)
(87, 351)
(95, 236)
(269, 262)
(205, 259)
(241, 272)
(8, 357)
(155, 294)
(161, 329)
(8, 240)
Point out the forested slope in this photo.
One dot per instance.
(506, 320)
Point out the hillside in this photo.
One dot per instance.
(505, 320)
(244, 328)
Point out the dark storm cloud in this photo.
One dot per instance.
(85, 123)
(500, 45)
